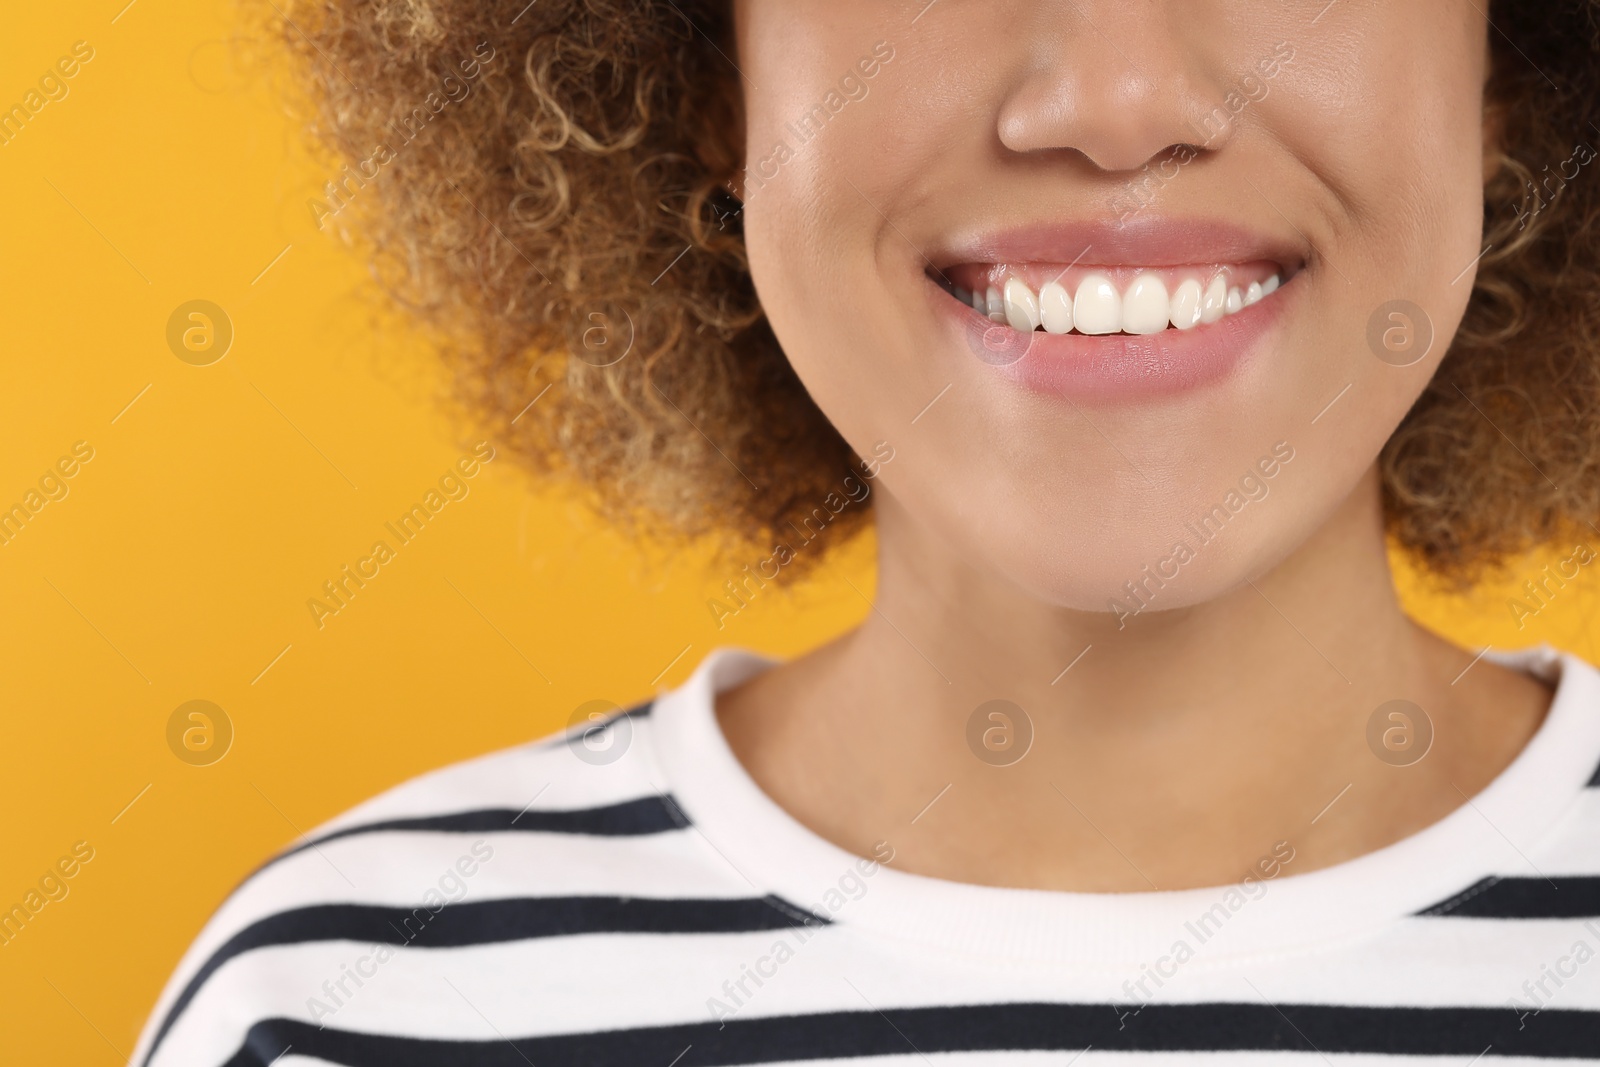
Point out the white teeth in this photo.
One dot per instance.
(1215, 303)
(1022, 307)
(1185, 309)
(1055, 308)
(1146, 307)
(1097, 309)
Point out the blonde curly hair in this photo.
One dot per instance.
(566, 232)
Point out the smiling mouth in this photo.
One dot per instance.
(1097, 301)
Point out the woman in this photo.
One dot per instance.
(1138, 327)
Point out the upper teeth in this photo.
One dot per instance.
(1099, 308)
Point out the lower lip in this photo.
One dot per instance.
(1115, 367)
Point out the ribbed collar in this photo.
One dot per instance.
(1492, 834)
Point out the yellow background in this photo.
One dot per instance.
(179, 565)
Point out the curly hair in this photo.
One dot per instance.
(1500, 453)
(587, 151)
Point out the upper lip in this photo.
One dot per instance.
(1147, 241)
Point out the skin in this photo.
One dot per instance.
(1186, 742)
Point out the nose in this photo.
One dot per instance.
(1113, 80)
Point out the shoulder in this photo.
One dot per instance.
(524, 843)
(586, 778)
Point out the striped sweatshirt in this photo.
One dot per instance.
(626, 895)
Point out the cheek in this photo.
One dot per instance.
(1394, 132)
(823, 175)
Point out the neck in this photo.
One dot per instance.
(1167, 750)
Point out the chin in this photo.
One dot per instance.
(1155, 553)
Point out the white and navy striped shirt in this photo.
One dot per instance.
(632, 898)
